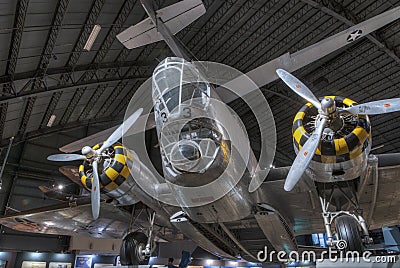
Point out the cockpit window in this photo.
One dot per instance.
(189, 91)
(171, 98)
(195, 129)
(192, 91)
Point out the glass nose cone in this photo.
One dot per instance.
(189, 151)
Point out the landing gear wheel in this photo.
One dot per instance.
(132, 248)
(347, 230)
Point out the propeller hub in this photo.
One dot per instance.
(88, 152)
(328, 106)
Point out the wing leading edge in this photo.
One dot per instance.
(71, 218)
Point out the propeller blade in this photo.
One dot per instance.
(120, 131)
(298, 87)
(66, 157)
(375, 107)
(304, 157)
(95, 193)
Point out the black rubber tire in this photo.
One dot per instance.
(129, 249)
(347, 229)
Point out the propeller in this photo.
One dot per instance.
(307, 152)
(121, 130)
(95, 193)
(94, 156)
(375, 107)
(304, 157)
(298, 87)
(66, 157)
(326, 108)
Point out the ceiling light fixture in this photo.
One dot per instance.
(51, 120)
(92, 37)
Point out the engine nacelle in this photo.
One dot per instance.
(115, 178)
(344, 146)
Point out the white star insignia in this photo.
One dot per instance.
(354, 36)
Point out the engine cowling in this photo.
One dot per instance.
(115, 179)
(345, 144)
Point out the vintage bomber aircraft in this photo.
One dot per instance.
(242, 222)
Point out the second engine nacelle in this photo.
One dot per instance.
(345, 144)
(115, 179)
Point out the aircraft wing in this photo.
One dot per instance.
(146, 121)
(71, 172)
(71, 219)
(300, 207)
(176, 17)
(266, 73)
(379, 198)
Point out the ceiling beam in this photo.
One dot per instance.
(218, 38)
(85, 32)
(44, 63)
(72, 105)
(109, 121)
(69, 86)
(3, 114)
(50, 108)
(212, 24)
(54, 73)
(259, 18)
(111, 36)
(19, 22)
(30, 102)
(101, 53)
(92, 101)
(51, 41)
(91, 19)
(123, 103)
(10, 185)
(111, 98)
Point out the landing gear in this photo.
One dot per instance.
(347, 230)
(133, 249)
(347, 236)
(136, 247)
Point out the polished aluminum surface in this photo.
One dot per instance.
(328, 106)
(298, 87)
(125, 194)
(194, 234)
(348, 170)
(195, 147)
(95, 192)
(275, 228)
(376, 107)
(304, 156)
(71, 219)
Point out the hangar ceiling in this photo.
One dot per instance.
(44, 71)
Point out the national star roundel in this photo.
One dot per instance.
(354, 36)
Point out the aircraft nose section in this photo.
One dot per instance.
(189, 151)
(185, 155)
